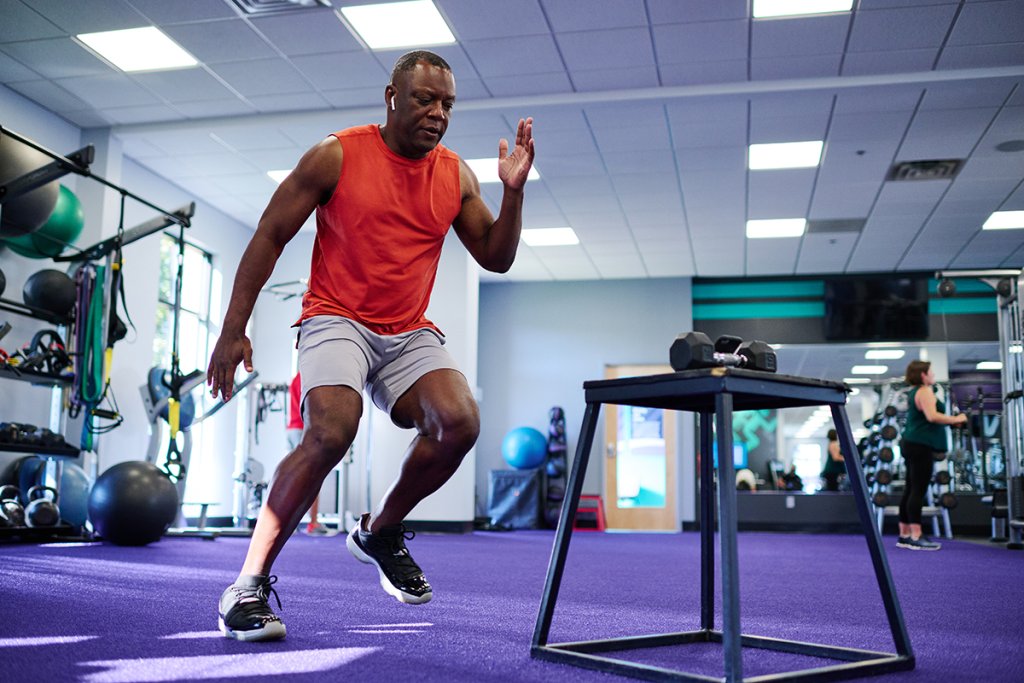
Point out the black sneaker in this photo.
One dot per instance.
(902, 541)
(922, 543)
(400, 576)
(245, 612)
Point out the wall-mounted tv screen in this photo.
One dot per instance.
(877, 308)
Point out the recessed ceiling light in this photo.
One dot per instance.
(856, 380)
(1004, 220)
(885, 354)
(279, 176)
(792, 8)
(869, 369)
(486, 170)
(138, 49)
(393, 25)
(785, 155)
(776, 227)
(989, 365)
(550, 237)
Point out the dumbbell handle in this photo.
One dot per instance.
(730, 359)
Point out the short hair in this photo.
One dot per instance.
(916, 372)
(409, 60)
(832, 436)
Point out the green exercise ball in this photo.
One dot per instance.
(61, 229)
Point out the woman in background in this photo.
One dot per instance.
(923, 435)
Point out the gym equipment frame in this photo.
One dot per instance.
(717, 392)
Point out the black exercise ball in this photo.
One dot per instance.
(26, 213)
(133, 503)
(51, 290)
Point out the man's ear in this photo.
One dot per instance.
(389, 95)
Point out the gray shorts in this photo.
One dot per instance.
(337, 351)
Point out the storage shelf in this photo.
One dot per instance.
(33, 377)
(39, 449)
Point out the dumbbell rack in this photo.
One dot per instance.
(53, 453)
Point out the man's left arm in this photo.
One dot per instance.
(493, 241)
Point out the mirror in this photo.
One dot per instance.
(780, 444)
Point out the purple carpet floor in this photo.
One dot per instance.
(98, 613)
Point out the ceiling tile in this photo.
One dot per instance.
(842, 200)
(981, 56)
(674, 12)
(708, 158)
(262, 77)
(215, 108)
(703, 72)
(720, 258)
(354, 97)
(536, 84)
(91, 16)
(778, 68)
(615, 79)
(57, 58)
(878, 98)
(904, 28)
(288, 102)
(48, 94)
(868, 126)
(857, 161)
(625, 264)
(307, 32)
(12, 71)
(141, 114)
(772, 256)
(795, 128)
(799, 36)
(566, 15)
(535, 55)
(183, 11)
(183, 85)
(475, 20)
(566, 165)
(988, 22)
(21, 23)
(611, 49)
(780, 194)
(226, 40)
(969, 94)
(342, 70)
(888, 61)
(711, 41)
(109, 90)
(945, 133)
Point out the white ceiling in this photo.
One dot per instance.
(643, 112)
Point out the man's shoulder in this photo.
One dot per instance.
(355, 131)
(446, 153)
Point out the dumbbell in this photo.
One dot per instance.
(880, 499)
(883, 477)
(948, 501)
(942, 477)
(889, 433)
(694, 350)
(886, 454)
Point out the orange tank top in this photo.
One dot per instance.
(379, 238)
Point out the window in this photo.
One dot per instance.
(194, 322)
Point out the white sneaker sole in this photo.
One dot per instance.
(406, 598)
(275, 630)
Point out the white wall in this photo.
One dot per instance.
(540, 341)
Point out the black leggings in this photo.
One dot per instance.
(919, 460)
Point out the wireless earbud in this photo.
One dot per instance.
(392, 103)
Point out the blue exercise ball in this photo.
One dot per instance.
(133, 503)
(524, 448)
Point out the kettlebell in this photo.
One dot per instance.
(42, 511)
(11, 512)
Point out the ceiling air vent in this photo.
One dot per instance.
(836, 225)
(934, 169)
(262, 7)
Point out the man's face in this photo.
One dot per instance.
(423, 105)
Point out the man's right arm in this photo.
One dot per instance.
(311, 183)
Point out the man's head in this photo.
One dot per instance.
(419, 101)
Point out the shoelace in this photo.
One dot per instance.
(258, 604)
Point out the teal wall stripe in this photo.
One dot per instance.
(966, 305)
(757, 290)
(769, 309)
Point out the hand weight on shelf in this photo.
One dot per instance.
(42, 511)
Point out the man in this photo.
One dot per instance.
(384, 198)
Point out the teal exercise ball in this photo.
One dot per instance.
(60, 230)
(524, 448)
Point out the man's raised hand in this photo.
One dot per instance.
(515, 167)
